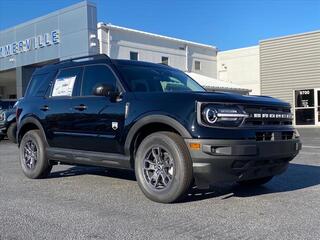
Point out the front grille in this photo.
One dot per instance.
(267, 116)
(274, 136)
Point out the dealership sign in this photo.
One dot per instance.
(39, 41)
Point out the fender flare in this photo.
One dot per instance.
(28, 120)
(154, 119)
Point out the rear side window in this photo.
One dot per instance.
(66, 82)
(38, 85)
(95, 75)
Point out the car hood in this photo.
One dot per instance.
(222, 97)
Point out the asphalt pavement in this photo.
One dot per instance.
(95, 203)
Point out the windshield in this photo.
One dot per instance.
(158, 79)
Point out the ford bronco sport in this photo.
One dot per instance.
(155, 120)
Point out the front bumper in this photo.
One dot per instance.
(220, 161)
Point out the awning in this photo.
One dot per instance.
(214, 84)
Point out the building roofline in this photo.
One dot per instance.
(111, 26)
(239, 49)
(288, 36)
(56, 12)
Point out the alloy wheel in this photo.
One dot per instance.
(158, 168)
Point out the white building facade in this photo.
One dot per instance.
(124, 43)
(240, 66)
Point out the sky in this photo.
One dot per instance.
(226, 24)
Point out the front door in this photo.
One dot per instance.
(98, 120)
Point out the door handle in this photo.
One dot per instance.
(80, 107)
(44, 108)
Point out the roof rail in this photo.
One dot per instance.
(86, 58)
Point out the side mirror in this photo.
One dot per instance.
(104, 90)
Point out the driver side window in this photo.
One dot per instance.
(95, 75)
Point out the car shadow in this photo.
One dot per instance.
(98, 171)
(298, 176)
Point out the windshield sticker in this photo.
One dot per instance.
(63, 86)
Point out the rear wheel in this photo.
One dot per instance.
(255, 182)
(163, 167)
(11, 132)
(33, 159)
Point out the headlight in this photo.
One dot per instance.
(220, 115)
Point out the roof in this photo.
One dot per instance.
(214, 84)
(111, 26)
(289, 36)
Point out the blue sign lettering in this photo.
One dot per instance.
(28, 44)
(47, 39)
(40, 41)
(14, 48)
(7, 50)
(55, 37)
(20, 46)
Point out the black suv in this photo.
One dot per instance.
(154, 119)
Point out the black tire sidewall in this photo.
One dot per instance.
(42, 166)
(11, 132)
(182, 168)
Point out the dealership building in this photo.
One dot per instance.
(73, 32)
(286, 67)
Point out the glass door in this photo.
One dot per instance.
(304, 107)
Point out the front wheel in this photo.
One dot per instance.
(33, 159)
(255, 182)
(163, 167)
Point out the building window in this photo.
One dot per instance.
(197, 65)
(165, 60)
(134, 56)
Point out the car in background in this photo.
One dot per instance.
(8, 125)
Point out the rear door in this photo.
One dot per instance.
(58, 108)
(98, 120)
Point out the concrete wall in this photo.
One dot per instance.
(152, 49)
(290, 63)
(240, 66)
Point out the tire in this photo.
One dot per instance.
(11, 132)
(170, 182)
(256, 182)
(33, 146)
(1, 137)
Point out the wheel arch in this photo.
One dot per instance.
(148, 125)
(27, 124)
